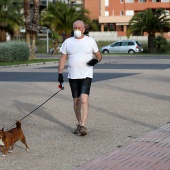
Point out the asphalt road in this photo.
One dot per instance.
(130, 96)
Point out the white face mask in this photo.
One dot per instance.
(77, 33)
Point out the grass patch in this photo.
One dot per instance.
(27, 62)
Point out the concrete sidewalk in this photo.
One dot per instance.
(129, 98)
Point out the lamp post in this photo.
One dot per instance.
(47, 30)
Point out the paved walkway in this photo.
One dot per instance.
(130, 96)
(149, 152)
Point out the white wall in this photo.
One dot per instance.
(112, 36)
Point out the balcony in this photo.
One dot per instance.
(119, 20)
(143, 1)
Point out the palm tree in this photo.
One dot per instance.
(27, 21)
(150, 21)
(34, 28)
(10, 18)
(31, 25)
(59, 17)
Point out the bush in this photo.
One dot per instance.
(103, 43)
(160, 44)
(14, 51)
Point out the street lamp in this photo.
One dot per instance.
(47, 30)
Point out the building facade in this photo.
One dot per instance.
(94, 8)
(116, 14)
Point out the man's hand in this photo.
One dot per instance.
(92, 62)
(60, 78)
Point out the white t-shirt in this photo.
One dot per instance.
(79, 52)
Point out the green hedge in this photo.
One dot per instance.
(14, 51)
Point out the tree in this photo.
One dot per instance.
(151, 22)
(27, 22)
(35, 21)
(59, 17)
(10, 18)
(31, 25)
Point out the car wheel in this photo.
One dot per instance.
(131, 51)
(105, 51)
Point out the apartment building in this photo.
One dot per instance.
(94, 8)
(116, 14)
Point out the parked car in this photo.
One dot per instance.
(123, 46)
(52, 49)
(36, 49)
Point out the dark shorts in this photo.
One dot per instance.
(80, 86)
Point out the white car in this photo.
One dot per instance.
(51, 51)
(123, 46)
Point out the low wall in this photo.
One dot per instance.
(113, 36)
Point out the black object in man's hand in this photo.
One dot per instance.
(92, 62)
(60, 78)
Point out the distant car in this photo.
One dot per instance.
(36, 49)
(52, 49)
(123, 46)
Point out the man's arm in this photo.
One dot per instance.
(94, 61)
(62, 63)
(98, 55)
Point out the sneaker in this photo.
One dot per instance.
(77, 130)
(83, 131)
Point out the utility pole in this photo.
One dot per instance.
(47, 31)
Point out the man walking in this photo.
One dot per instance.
(79, 51)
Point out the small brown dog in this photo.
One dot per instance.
(10, 137)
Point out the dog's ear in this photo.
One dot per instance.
(3, 129)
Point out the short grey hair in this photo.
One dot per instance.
(79, 21)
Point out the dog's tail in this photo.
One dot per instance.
(18, 124)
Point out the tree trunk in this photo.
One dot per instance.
(32, 57)
(2, 35)
(34, 27)
(55, 44)
(151, 46)
(27, 37)
(27, 21)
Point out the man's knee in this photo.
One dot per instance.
(84, 99)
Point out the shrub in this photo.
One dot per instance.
(14, 51)
(160, 44)
(103, 43)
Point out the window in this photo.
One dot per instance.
(116, 44)
(130, 43)
(129, 1)
(106, 13)
(138, 43)
(124, 44)
(129, 13)
(142, 0)
(106, 2)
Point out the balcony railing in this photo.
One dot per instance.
(132, 1)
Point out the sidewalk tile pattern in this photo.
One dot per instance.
(149, 152)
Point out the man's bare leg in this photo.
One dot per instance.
(77, 109)
(84, 108)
